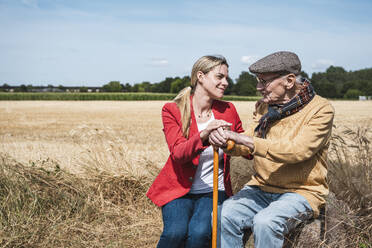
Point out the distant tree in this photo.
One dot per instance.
(5, 87)
(245, 85)
(336, 74)
(368, 89)
(113, 86)
(326, 89)
(21, 88)
(342, 82)
(348, 85)
(83, 89)
(127, 87)
(145, 87)
(177, 85)
(230, 88)
(353, 94)
(317, 77)
(164, 86)
(61, 87)
(135, 88)
(363, 85)
(304, 74)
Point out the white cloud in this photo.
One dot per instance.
(249, 59)
(159, 62)
(321, 64)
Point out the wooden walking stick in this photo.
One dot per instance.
(230, 145)
(215, 196)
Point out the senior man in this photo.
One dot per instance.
(289, 140)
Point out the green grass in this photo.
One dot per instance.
(49, 96)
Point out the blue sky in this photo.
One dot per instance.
(92, 42)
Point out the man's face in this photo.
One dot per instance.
(272, 87)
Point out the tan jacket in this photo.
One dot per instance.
(293, 157)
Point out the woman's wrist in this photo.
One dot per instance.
(204, 135)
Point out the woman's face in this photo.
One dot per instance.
(214, 82)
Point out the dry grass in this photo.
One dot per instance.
(350, 178)
(74, 174)
(48, 207)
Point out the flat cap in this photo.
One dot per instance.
(282, 61)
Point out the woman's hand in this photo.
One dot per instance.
(214, 125)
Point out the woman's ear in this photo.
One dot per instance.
(200, 76)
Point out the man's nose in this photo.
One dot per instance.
(260, 86)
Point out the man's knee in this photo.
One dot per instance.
(226, 212)
(267, 223)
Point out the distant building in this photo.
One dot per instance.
(364, 98)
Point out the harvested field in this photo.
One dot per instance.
(36, 130)
(112, 145)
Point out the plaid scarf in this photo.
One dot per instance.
(277, 112)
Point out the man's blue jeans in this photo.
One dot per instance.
(269, 216)
(187, 221)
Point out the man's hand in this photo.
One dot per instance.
(220, 137)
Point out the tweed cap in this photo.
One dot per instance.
(282, 61)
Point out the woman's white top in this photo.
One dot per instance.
(203, 179)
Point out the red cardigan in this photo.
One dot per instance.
(176, 177)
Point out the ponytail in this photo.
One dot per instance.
(183, 102)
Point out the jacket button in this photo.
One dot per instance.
(190, 179)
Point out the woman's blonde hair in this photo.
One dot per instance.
(205, 64)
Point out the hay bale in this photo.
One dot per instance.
(328, 230)
(310, 234)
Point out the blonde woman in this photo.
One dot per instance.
(183, 188)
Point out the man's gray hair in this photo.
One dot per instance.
(300, 79)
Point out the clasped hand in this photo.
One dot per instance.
(220, 136)
(215, 125)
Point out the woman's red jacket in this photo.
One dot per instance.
(176, 177)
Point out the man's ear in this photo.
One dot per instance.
(290, 81)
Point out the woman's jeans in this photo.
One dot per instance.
(187, 221)
(268, 215)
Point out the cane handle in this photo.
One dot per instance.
(230, 145)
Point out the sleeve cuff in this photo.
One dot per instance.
(261, 147)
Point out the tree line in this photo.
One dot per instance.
(335, 82)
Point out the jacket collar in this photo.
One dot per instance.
(193, 125)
